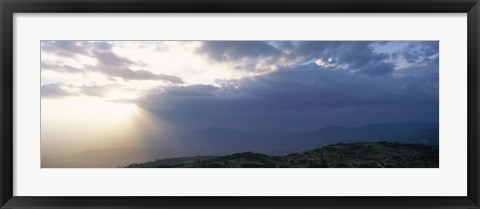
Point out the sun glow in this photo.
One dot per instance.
(121, 95)
(94, 132)
(82, 118)
(119, 110)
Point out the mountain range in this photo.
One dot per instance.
(342, 155)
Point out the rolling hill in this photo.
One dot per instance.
(341, 155)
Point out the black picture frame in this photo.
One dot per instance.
(9, 7)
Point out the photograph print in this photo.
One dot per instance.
(239, 104)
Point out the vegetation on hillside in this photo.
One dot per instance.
(351, 155)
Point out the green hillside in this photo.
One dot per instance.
(351, 155)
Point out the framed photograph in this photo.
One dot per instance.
(239, 104)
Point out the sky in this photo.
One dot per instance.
(125, 95)
(294, 85)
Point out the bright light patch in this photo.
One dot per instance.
(325, 64)
(119, 95)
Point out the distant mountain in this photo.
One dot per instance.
(352, 155)
(219, 134)
(218, 140)
(426, 133)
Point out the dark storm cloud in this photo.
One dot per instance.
(356, 56)
(376, 69)
(420, 51)
(422, 59)
(193, 90)
(108, 62)
(236, 50)
(313, 84)
(296, 98)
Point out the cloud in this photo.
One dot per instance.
(253, 56)
(353, 56)
(102, 51)
(420, 51)
(57, 90)
(60, 68)
(112, 92)
(64, 48)
(186, 91)
(236, 50)
(296, 98)
(325, 64)
(377, 69)
(408, 55)
(295, 84)
(97, 91)
(108, 63)
(54, 90)
(129, 74)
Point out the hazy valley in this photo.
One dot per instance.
(218, 141)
